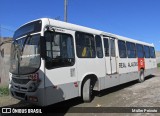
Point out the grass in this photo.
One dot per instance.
(4, 91)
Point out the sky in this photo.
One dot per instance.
(136, 19)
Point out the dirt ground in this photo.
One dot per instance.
(133, 94)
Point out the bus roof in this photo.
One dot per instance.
(70, 26)
(75, 27)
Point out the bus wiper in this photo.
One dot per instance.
(25, 41)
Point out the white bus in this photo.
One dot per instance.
(52, 61)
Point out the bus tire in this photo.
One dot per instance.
(87, 90)
(141, 76)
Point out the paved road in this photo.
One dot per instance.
(133, 94)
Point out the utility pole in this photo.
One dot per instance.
(65, 10)
(0, 30)
(0, 38)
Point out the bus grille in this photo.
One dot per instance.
(22, 95)
(20, 81)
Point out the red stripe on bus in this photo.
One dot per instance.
(141, 63)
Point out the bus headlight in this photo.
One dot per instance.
(32, 87)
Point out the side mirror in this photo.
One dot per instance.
(49, 28)
(43, 47)
(2, 53)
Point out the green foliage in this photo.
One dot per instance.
(4, 91)
(158, 65)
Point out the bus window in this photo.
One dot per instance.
(99, 50)
(59, 50)
(112, 46)
(131, 50)
(140, 51)
(146, 51)
(85, 45)
(122, 49)
(152, 52)
(106, 46)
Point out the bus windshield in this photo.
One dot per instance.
(25, 55)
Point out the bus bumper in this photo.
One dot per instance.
(36, 97)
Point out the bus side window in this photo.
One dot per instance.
(152, 52)
(85, 45)
(99, 50)
(106, 47)
(131, 50)
(146, 51)
(140, 51)
(59, 50)
(112, 47)
(122, 49)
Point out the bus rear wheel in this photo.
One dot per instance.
(87, 90)
(141, 76)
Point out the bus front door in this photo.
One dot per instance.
(60, 67)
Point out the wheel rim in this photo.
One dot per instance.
(142, 76)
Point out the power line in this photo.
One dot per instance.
(6, 29)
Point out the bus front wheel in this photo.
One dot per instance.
(87, 90)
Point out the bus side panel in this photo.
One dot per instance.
(87, 66)
(129, 68)
(151, 66)
(111, 80)
(148, 63)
